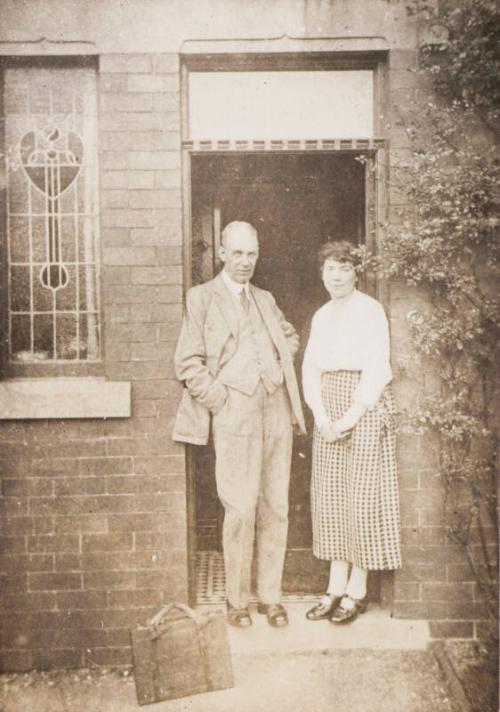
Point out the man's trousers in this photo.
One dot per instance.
(253, 449)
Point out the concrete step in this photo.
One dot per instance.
(375, 629)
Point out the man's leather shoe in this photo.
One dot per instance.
(347, 615)
(323, 609)
(276, 614)
(239, 617)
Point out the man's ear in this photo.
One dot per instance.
(222, 253)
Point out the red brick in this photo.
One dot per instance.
(12, 544)
(146, 522)
(140, 141)
(153, 160)
(407, 592)
(165, 236)
(439, 610)
(486, 629)
(114, 179)
(113, 161)
(133, 333)
(134, 599)
(413, 571)
(161, 389)
(88, 523)
(109, 580)
(12, 526)
(14, 506)
(156, 198)
(67, 600)
(108, 657)
(157, 275)
(15, 660)
(114, 199)
(123, 121)
(28, 486)
(440, 555)
(13, 581)
(53, 582)
(168, 101)
(117, 352)
(129, 256)
(26, 601)
(105, 561)
(460, 572)
(132, 218)
(67, 562)
(56, 542)
(126, 101)
(49, 658)
(165, 62)
(167, 180)
(125, 63)
(160, 502)
(145, 409)
(43, 525)
(117, 313)
(153, 82)
(152, 352)
(116, 541)
(451, 629)
(156, 559)
(12, 563)
(115, 236)
(447, 592)
(79, 485)
(156, 312)
(106, 466)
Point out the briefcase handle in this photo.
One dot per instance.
(163, 613)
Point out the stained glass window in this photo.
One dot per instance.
(50, 116)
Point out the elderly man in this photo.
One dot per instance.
(235, 357)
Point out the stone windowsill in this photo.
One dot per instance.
(34, 398)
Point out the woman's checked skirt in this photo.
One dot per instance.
(354, 493)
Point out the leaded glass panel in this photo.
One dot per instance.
(52, 227)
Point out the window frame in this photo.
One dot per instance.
(52, 368)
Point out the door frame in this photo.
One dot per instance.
(377, 156)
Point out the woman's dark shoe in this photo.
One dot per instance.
(323, 609)
(276, 614)
(239, 617)
(347, 615)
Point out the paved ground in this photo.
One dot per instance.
(375, 665)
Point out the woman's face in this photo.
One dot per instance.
(339, 278)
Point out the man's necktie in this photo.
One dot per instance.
(245, 302)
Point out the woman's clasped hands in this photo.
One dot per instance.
(331, 430)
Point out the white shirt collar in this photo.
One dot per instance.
(235, 287)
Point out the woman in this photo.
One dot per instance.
(354, 493)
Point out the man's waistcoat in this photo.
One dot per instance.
(255, 358)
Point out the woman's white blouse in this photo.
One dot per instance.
(353, 336)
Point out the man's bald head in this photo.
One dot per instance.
(236, 228)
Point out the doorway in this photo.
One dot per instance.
(296, 201)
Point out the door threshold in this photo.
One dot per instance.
(375, 630)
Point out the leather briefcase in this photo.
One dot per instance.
(179, 652)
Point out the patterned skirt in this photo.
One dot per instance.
(354, 489)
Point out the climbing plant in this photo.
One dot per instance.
(445, 242)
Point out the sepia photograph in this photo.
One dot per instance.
(249, 383)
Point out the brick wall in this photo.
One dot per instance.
(436, 582)
(94, 523)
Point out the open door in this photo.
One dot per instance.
(296, 202)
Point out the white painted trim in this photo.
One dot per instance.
(285, 44)
(41, 398)
(44, 47)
